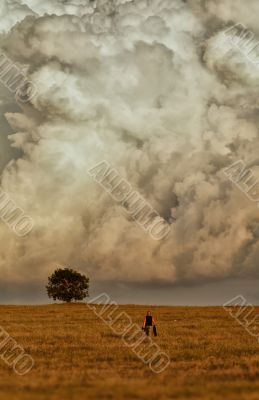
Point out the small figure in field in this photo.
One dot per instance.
(148, 323)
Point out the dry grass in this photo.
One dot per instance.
(78, 357)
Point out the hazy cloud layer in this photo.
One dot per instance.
(142, 85)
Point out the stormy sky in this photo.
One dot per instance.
(148, 86)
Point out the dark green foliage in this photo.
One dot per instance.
(67, 284)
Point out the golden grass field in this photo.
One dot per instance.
(78, 357)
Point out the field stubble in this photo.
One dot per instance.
(77, 356)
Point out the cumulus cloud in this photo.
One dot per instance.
(142, 85)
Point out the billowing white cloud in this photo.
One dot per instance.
(141, 85)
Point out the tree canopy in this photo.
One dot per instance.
(65, 284)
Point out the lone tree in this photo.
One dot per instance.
(66, 285)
